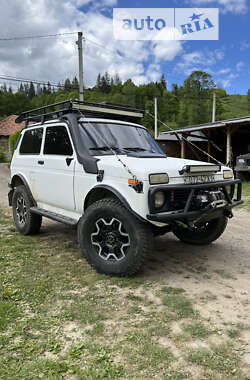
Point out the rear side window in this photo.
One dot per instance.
(32, 141)
(57, 141)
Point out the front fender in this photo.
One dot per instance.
(118, 194)
(17, 180)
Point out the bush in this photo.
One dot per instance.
(12, 141)
(3, 155)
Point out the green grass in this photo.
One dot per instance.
(59, 319)
(246, 195)
(220, 358)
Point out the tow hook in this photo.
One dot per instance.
(229, 214)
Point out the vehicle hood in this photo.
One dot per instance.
(142, 167)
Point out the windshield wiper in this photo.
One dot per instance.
(104, 148)
(138, 149)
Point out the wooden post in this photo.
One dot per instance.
(208, 146)
(229, 147)
(183, 146)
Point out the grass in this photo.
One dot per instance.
(61, 320)
(246, 195)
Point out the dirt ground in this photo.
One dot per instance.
(217, 277)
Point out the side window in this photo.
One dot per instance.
(32, 141)
(57, 141)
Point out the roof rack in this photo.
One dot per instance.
(85, 109)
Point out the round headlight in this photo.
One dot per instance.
(159, 199)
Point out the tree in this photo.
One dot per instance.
(75, 84)
(67, 85)
(31, 91)
(21, 88)
(248, 99)
(197, 97)
(163, 82)
(98, 81)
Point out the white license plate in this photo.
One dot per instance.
(199, 179)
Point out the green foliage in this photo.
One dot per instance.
(12, 141)
(188, 104)
(3, 156)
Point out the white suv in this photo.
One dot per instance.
(90, 165)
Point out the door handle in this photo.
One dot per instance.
(40, 162)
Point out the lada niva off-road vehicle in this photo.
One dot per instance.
(92, 166)
(242, 167)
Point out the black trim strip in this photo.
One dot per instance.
(121, 198)
(26, 186)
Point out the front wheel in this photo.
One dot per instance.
(203, 235)
(112, 240)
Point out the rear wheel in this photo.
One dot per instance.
(112, 240)
(25, 221)
(203, 235)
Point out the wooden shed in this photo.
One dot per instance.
(224, 140)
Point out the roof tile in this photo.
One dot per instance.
(8, 126)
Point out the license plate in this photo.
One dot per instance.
(199, 179)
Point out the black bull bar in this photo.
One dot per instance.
(209, 212)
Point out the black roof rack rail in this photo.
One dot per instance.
(85, 109)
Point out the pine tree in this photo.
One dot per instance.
(49, 88)
(31, 91)
(163, 82)
(67, 85)
(98, 81)
(75, 84)
(21, 88)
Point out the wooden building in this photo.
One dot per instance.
(224, 140)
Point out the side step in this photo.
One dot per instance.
(54, 216)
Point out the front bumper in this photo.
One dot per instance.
(187, 216)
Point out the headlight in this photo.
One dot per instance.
(227, 174)
(159, 199)
(156, 179)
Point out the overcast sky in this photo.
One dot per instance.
(54, 59)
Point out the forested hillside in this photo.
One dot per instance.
(178, 106)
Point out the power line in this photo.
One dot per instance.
(25, 80)
(33, 37)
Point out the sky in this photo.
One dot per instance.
(56, 58)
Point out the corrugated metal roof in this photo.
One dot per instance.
(172, 137)
(217, 124)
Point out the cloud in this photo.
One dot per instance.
(54, 59)
(240, 66)
(225, 83)
(199, 60)
(232, 6)
(223, 71)
(166, 50)
(244, 45)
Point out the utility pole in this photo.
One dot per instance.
(214, 108)
(156, 118)
(79, 44)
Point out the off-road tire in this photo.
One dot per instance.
(29, 223)
(204, 235)
(140, 238)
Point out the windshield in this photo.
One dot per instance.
(122, 138)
